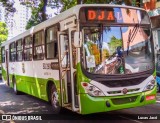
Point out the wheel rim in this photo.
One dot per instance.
(54, 99)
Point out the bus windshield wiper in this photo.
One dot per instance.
(132, 35)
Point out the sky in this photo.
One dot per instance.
(115, 31)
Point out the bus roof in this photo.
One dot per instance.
(68, 13)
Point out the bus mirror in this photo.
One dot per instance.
(77, 39)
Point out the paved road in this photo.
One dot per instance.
(25, 104)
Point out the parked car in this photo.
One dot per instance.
(158, 83)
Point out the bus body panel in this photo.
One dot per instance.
(98, 104)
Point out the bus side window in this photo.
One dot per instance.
(38, 46)
(12, 52)
(28, 48)
(19, 48)
(51, 42)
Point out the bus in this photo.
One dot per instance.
(91, 58)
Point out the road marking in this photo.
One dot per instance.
(130, 119)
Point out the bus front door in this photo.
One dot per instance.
(64, 65)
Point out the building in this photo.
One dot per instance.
(19, 20)
(21, 16)
(2, 13)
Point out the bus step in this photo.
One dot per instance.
(76, 101)
(67, 105)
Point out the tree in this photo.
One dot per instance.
(38, 8)
(3, 32)
(38, 15)
(114, 43)
(8, 4)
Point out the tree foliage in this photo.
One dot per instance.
(9, 10)
(114, 43)
(38, 14)
(3, 32)
(8, 4)
(38, 8)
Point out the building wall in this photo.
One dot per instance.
(20, 19)
(158, 3)
(2, 13)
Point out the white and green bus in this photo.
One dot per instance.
(90, 58)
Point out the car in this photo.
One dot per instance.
(158, 83)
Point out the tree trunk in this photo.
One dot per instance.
(79, 1)
(43, 10)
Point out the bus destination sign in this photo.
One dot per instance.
(100, 15)
(97, 14)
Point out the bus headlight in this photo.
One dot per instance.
(92, 90)
(150, 85)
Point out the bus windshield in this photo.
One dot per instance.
(117, 50)
(116, 40)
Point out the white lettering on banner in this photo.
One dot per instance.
(20, 117)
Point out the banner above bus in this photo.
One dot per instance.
(113, 15)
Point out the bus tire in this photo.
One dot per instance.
(15, 86)
(54, 99)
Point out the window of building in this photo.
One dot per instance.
(19, 53)
(3, 54)
(12, 52)
(39, 45)
(28, 48)
(51, 43)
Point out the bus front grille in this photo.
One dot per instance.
(119, 101)
(122, 83)
(120, 91)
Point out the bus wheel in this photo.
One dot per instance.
(15, 87)
(54, 100)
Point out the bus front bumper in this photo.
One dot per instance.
(103, 104)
